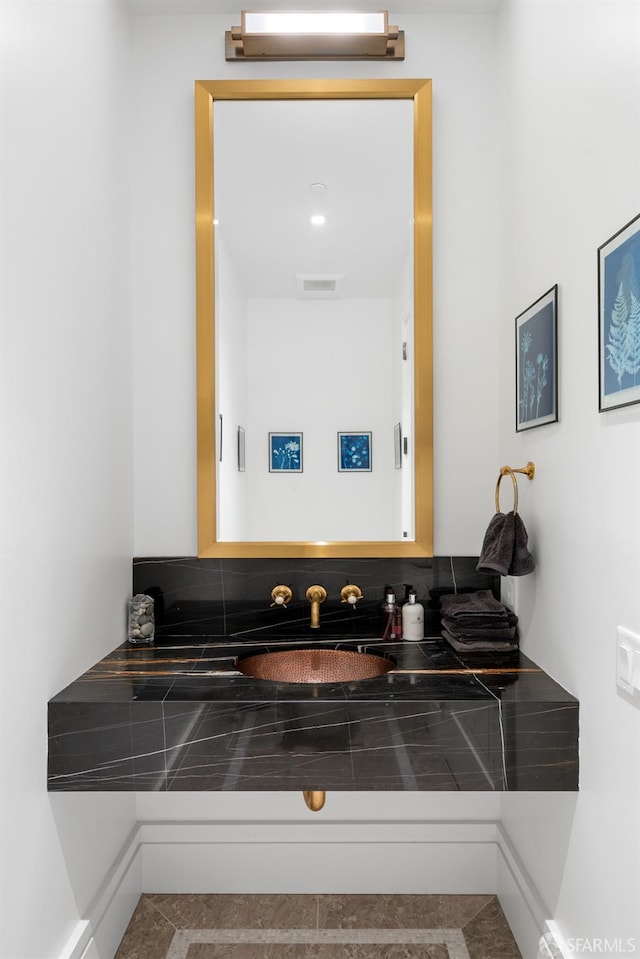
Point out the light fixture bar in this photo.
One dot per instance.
(329, 22)
(314, 35)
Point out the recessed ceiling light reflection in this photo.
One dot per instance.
(318, 219)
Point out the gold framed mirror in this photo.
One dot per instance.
(210, 542)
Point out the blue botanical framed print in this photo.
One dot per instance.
(285, 452)
(619, 318)
(537, 362)
(354, 452)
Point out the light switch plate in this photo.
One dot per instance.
(628, 663)
(624, 666)
(635, 671)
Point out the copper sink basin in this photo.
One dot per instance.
(315, 666)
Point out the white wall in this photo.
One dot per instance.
(403, 390)
(65, 441)
(458, 52)
(378, 842)
(570, 174)
(319, 367)
(231, 397)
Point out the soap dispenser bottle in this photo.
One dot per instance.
(390, 616)
(412, 619)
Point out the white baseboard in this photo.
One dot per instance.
(99, 935)
(324, 857)
(521, 903)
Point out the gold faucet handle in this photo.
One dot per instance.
(350, 594)
(281, 595)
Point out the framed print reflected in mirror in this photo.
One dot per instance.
(354, 452)
(285, 452)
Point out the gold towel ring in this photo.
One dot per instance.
(507, 471)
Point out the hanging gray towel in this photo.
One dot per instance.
(522, 561)
(497, 548)
(505, 547)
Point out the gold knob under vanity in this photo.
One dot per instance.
(314, 799)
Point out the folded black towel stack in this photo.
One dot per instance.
(478, 621)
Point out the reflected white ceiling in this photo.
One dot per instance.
(267, 156)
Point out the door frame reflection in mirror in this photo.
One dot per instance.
(206, 93)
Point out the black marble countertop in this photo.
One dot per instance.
(205, 671)
(179, 716)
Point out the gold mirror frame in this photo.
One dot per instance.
(206, 92)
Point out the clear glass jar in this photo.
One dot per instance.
(142, 626)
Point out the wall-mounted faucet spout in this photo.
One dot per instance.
(316, 595)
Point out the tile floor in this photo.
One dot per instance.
(317, 927)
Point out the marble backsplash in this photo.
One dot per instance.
(233, 596)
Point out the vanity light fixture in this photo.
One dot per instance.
(314, 35)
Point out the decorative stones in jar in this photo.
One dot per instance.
(141, 620)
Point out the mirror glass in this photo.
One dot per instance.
(314, 409)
